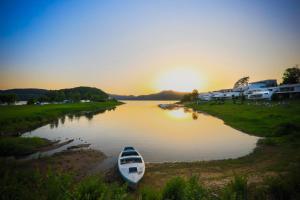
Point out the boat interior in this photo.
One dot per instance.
(130, 160)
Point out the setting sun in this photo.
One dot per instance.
(182, 80)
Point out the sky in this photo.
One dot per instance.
(141, 47)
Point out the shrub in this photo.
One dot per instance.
(236, 189)
(174, 189)
(148, 193)
(284, 187)
(287, 129)
(54, 185)
(28, 184)
(93, 187)
(194, 191)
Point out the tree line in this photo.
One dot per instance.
(72, 95)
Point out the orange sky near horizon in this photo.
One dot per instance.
(149, 82)
(141, 47)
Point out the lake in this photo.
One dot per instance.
(160, 135)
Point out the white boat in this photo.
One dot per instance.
(131, 166)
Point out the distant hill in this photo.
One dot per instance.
(163, 95)
(58, 95)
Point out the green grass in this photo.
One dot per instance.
(19, 119)
(19, 146)
(19, 184)
(31, 184)
(260, 120)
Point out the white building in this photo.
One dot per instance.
(256, 90)
(230, 95)
(291, 88)
(262, 93)
(259, 86)
(205, 96)
(282, 90)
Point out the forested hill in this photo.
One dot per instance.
(163, 95)
(76, 93)
(23, 94)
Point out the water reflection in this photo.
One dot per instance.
(195, 116)
(177, 134)
(62, 119)
(178, 112)
(88, 115)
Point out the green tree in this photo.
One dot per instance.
(242, 82)
(8, 98)
(75, 96)
(291, 75)
(43, 98)
(31, 101)
(194, 94)
(186, 97)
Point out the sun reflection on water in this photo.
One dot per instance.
(178, 114)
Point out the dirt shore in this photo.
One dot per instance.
(78, 162)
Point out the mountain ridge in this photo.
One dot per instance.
(28, 93)
(163, 95)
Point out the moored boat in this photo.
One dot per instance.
(131, 166)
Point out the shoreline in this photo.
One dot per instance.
(25, 118)
(273, 156)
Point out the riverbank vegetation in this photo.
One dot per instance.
(260, 118)
(18, 184)
(15, 120)
(20, 146)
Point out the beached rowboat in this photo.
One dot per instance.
(131, 166)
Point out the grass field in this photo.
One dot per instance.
(260, 119)
(15, 120)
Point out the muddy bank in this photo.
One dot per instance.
(78, 162)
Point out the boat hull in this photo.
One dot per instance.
(131, 167)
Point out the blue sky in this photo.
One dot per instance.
(125, 46)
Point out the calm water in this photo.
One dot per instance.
(160, 135)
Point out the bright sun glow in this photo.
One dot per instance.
(183, 80)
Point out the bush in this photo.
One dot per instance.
(31, 101)
(15, 184)
(287, 129)
(54, 185)
(174, 189)
(284, 187)
(149, 193)
(30, 184)
(236, 189)
(94, 188)
(194, 191)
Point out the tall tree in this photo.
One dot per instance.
(291, 75)
(195, 94)
(243, 82)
